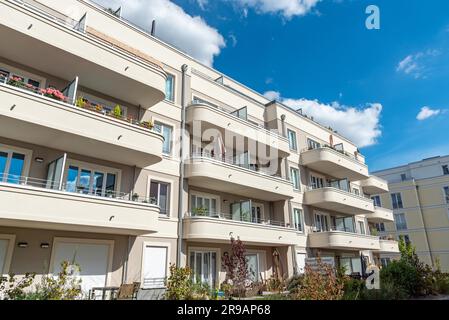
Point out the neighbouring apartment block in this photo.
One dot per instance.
(419, 198)
(98, 171)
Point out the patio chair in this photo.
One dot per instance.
(128, 291)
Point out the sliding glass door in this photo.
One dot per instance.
(204, 266)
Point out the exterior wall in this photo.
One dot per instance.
(425, 207)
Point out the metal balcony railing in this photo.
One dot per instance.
(50, 185)
(243, 218)
(341, 152)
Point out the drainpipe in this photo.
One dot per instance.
(181, 166)
(290, 208)
(423, 223)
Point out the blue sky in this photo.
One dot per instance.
(369, 84)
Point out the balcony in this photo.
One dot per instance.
(388, 246)
(340, 240)
(225, 176)
(221, 228)
(380, 215)
(31, 203)
(68, 48)
(334, 163)
(217, 117)
(335, 199)
(29, 115)
(374, 185)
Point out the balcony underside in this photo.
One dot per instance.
(45, 45)
(211, 230)
(337, 200)
(334, 164)
(29, 207)
(389, 246)
(343, 241)
(231, 179)
(374, 185)
(380, 215)
(41, 121)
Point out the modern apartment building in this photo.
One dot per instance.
(419, 197)
(149, 158)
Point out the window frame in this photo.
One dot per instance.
(209, 196)
(445, 168)
(203, 250)
(298, 180)
(404, 221)
(378, 203)
(293, 144)
(163, 127)
(10, 150)
(146, 244)
(446, 194)
(11, 238)
(395, 198)
(295, 218)
(169, 194)
(173, 86)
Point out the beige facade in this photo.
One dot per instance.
(105, 177)
(419, 198)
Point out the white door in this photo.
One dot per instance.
(301, 262)
(93, 260)
(154, 267)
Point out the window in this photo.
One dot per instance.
(385, 261)
(316, 183)
(401, 223)
(297, 220)
(204, 267)
(446, 169)
(351, 264)
(170, 88)
(294, 176)
(292, 140)
(241, 113)
(91, 181)
(380, 227)
(362, 227)
(396, 200)
(166, 131)
(446, 194)
(243, 211)
(160, 195)
(321, 223)
(252, 263)
(11, 166)
(343, 224)
(403, 177)
(154, 267)
(377, 202)
(312, 144)
(406, 238)
(356, 191)
(203, 206)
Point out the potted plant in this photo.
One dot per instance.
(135, 197)
(148, 124)
(200, 212)
(117, 112)
(16, 82)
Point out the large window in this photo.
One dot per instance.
(203, 205)
(167, 132)
(160, 195)
(316, 183)
(362, 227)
(252, 263)
(321, 223)
(352, 265)
(344, 224)
(312, 144)
(292, 140)
(90, 180)
(377, 202)
(446, 194)
(298, 220)
(204, 267)
(242, 211)
(170, 88)
(401, 222)
(154, 267)
(396, 200)
(380, 227)
(294, 176)
(11, 166)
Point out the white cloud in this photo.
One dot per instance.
(416, 64)
(287, 8)
(272, 95)
(360, 125)
(190, 34)
(427, 113)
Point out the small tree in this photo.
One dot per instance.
(179, 284)
(236, 267)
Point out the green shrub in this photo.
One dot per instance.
(179, 284)
(401, 275)
(294, 283)
(353, 288)
(387, 291)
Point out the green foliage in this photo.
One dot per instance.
(180, 286)
(80, 102)
(387, 291)
(275, 284)
(353, 288)
(294, 283)
(117, 111)
(62, 287)
(402, 275)
(200, 212)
